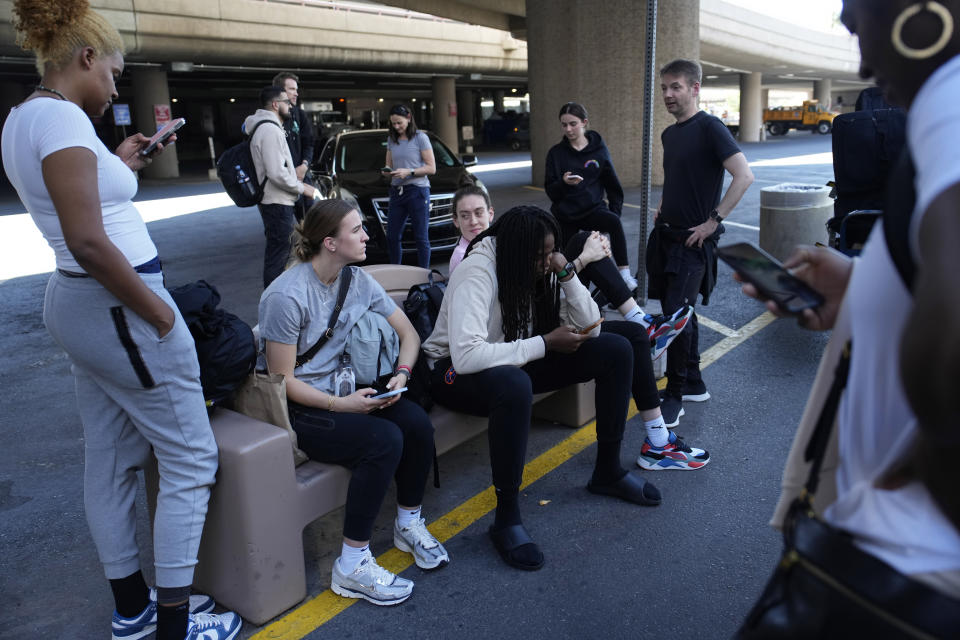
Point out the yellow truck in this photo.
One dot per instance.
(810, 117)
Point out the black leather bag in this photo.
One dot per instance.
(826, 587)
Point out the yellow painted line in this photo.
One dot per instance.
(532, 188)
(716, 326)
(326, 605)
(632, 206)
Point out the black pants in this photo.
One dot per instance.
(603, 220)
(504, 394)
(682, 286)
(393, 442)
(277, 227)
(606, 277)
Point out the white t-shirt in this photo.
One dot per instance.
(876, 425)
(42, 126)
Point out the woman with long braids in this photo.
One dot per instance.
(135, 364)
(504, 333)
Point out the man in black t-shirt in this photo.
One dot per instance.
(681, 261)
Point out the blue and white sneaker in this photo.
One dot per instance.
(674, 455)
(207, 626)
(146, 623)
(663, 330)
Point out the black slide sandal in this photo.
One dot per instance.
(510, 539)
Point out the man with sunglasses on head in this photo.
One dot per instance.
(300, 136)
(276, 171)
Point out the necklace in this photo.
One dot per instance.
(40, 87)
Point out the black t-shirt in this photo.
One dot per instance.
(693, 155)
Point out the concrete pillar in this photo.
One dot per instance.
(445, 111)
(593, 53)
(821, 91)
(466, 111)
(498, 101)
(751, 108)
(764, 99)
(150, 90)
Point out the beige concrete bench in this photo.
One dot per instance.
(251, 556)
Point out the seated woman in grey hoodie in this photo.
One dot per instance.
(504, 333)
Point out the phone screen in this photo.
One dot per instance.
(389, 394)
(161, 136)
(769, 277)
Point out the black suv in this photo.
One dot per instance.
(349, 169)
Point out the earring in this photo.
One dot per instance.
(896, 34)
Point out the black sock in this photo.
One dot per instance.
(130, 594)
(607, 469)
(508, 508)
(172, 621)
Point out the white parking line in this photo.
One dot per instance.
(484, 168)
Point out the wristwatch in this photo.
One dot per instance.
(715, 215)
(412, 173)
(567, 270)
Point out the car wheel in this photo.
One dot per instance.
(824, 128)
(776, 129)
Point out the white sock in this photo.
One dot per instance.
(405, 517)
(637, 315)
(350, 557)
(657, 431)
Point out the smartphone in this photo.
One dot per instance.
(386, 170)
(163, 135)
(587, 330)
(770, 278)
(573, 175)
(388, 394)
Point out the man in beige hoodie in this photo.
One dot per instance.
(278, 175)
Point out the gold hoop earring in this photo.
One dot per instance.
(896, 34)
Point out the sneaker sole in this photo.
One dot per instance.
(147, 630)
(402, 545)
(668, 464)
(699, 397)
(348, 593)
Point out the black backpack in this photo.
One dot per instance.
(225, 346)
(237, 173)
(422, 307)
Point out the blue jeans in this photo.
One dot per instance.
(277, 227)
(413, 203)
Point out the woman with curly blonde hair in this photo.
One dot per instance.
(135, 365)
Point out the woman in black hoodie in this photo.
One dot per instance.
(579, 173)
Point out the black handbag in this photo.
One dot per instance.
(826, 587)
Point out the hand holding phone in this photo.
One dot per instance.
(161, 136)
(587, 330)
(771, 280)
(388, 394)
(386, 170)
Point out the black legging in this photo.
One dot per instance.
(505, 395)
(393, 442)
(603, 220)
(604, 274)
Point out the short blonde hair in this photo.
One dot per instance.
(55, 29)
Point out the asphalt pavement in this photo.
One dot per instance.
(689, 568)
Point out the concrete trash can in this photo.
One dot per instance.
(792, 214)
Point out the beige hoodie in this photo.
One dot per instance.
(469, 327)
(271, 157)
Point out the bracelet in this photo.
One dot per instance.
(333, 400)
(404, 369)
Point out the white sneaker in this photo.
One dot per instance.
(427, 551)
(629, 280)
(371, 582)
(208, 626)
(146, 623)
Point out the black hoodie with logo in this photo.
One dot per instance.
(594, 165)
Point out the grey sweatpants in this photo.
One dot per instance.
(136, 391)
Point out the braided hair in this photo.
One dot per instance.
(528, 296)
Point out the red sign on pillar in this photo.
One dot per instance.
(452, 109)
(161, 115)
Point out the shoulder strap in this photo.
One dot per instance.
(346, 275)
(901, 201)
(250, 139)
(817, 447)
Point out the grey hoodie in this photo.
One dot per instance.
(469, 327)
(271, 157)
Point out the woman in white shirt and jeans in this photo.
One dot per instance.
(137, 377)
